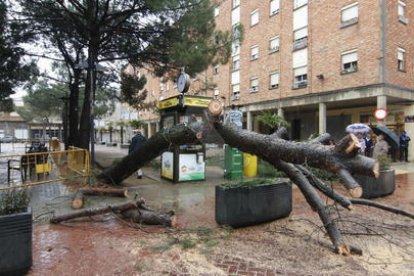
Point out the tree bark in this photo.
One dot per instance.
(154, 146)
(104, 192)
(137, 212)
(97, 211)
(267, 147)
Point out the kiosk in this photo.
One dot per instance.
(184, 162)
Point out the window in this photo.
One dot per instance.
(300, 28)
(235, 77)
(216, 69)
(235, 92)
(235, 16)
(236, 3)
(274, 80)
(299, 3)
(349, 14)
(401, 12)
(254, 18)
(300, 68)
(274, 44)
(236, 63)
(401, 59)
(300, 37)
(216, 11)
(300, 77)
(349, 61)
(274, 7)
(236, 32)
(235, 48)
(216, 91)
(254, 52)
(254, 85)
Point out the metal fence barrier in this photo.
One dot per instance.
(35, 168)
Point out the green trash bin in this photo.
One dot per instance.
(233, 163)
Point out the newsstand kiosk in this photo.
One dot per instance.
(184, 162)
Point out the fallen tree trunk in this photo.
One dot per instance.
(151, 149)
(290, 157)
(104, 192)
(135, 211)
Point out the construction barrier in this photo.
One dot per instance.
(35, 168)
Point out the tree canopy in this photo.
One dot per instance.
(165, 34)
(12, 72)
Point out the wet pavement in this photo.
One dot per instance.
(106, 245)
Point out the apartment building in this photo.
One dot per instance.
(321, 64)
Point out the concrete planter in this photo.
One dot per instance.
(377, 187)
(16, 243)
(245, 206)
(111, 144)
(124, 146)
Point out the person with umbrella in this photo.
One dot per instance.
(381, 147)
(404, 141)
(137, 141)
(360, 131)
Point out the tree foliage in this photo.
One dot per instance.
(44, 101)
(165, 34)
(12, 71)
(272, 120)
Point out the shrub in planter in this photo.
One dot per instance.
(251, 202)
(383, 185)
(15, 232)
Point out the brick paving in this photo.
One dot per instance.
(237, 266)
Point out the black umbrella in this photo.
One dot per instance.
(389, 135)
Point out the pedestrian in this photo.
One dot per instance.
(404, 142)
(381, 147)
(136, 143)
(234, 116)
(368, 145)
(361, 141)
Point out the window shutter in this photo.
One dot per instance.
(300, 71)
(274, 79)
(235, 16)
(235, 88)
(274, 6)
(349, 12)
(401, 52)
(254, 17)
(254, 82)
(235, 77)
(349, 57)
(300, 18)
(300, 58)
(301, 33)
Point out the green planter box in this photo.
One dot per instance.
(245, 206)
(16, 243)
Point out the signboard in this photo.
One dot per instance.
(193, 101)
(188, 101)
(167, 165)
(190, 168)
(168, 103)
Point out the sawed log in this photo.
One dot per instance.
(135, 211)
(79, 197)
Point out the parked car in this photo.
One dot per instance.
(8, 139)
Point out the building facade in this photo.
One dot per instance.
(320, 64)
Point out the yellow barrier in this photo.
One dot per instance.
(29, 169)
